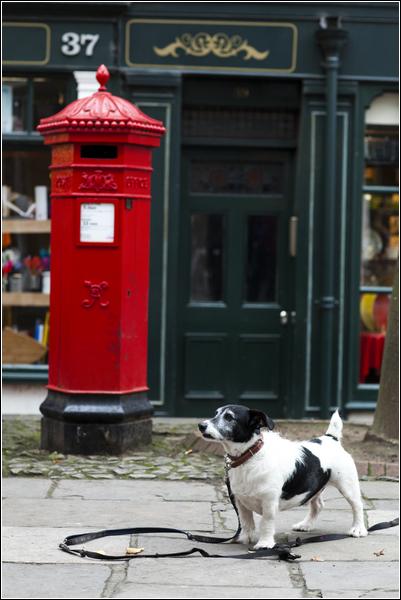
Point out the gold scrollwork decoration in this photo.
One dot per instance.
(219, 44)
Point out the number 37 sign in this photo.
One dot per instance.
(73, 43)
(83, 44)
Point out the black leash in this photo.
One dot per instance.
(282, 551)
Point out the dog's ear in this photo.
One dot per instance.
(258, 419)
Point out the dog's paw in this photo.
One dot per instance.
(268, 543)
(302, 526)
(358, 531)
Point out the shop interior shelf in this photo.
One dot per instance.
(25, 226)
(25, 299)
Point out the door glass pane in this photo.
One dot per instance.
(236, 177)
(381, 156)
(374, 312)
(380, 239)
(206, 257)
(261, 258)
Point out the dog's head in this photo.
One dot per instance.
(234, 423)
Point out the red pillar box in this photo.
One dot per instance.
(100, 193)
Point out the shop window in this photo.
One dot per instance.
(14, 100)
(380, 232)
(27, 100)
(27, 222)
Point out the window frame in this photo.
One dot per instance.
(361, 396)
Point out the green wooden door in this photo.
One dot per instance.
(235, 280)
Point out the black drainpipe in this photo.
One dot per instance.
(331, 38)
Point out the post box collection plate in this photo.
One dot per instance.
(97, 222)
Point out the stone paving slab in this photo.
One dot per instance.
(380, 490)
(32, 487)
(105, 514)
(40, 545)
(195, 571)
(48, 581)
(344, 576)
(353, 549)
(131, 490)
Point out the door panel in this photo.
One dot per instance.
(235, 280)
(206, 353)
(258, 375)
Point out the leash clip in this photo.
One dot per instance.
(227, 463)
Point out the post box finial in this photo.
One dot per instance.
(102, 75)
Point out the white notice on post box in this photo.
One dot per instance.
(97, 222)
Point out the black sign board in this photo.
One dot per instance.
(26, 43)
(239, 46)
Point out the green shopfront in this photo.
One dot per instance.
(275, 230)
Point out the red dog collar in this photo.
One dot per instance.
(236, 461)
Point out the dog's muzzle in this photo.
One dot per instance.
(202, 426)
(203, 429)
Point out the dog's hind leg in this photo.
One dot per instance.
(349, 488)
(315, 506)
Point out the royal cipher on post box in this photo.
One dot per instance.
(101, 169)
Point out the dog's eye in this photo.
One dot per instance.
(228, 417)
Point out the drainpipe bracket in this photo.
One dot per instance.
(327, 302)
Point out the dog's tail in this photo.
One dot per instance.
(336, 426)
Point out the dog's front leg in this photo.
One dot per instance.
(267, 524)
(248, 533)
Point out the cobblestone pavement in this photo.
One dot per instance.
(169, 457)
(39, 513)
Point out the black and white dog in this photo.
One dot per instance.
(269, 473)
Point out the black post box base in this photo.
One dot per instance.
(95, 423)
